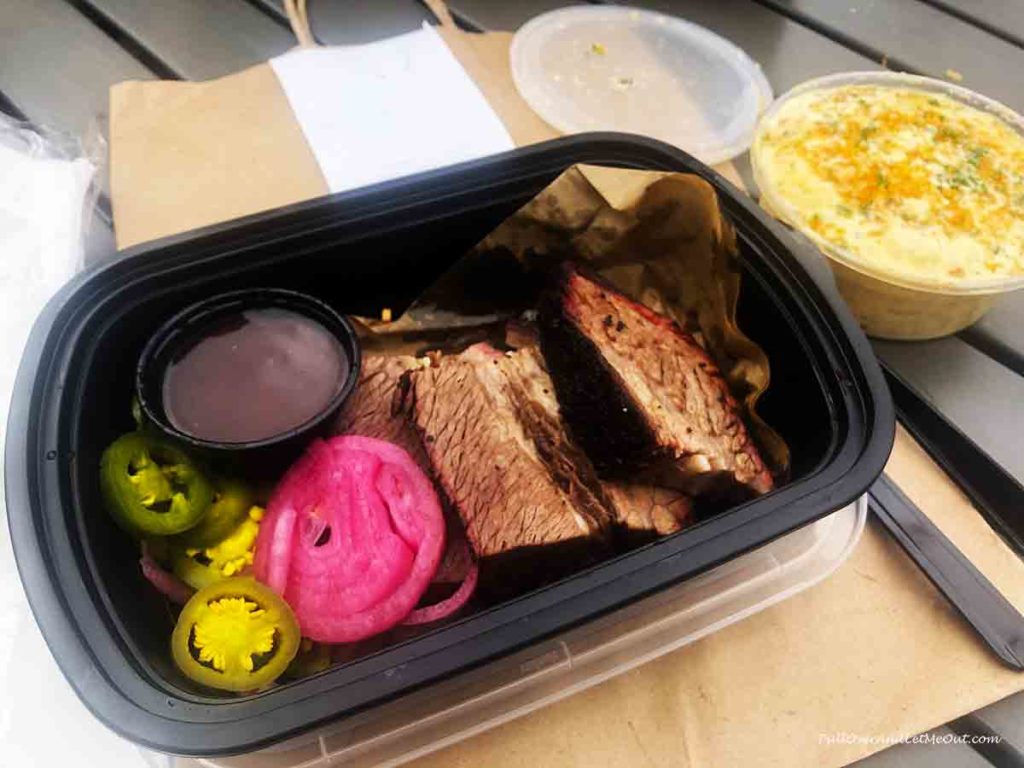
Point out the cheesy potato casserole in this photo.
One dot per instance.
(909, 183)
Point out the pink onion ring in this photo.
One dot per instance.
(449, 605)
(351, 539)
(167, 584)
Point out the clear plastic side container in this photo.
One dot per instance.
(456, 709)
(890, 302)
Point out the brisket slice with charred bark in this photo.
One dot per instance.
(640, 512)
(641, 397)
(530, 501)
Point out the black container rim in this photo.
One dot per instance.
(200, 312)
(84, 641)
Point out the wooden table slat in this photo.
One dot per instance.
(978, 395)
(341, 23)
(923, 37)
(788, 52)
(492, 14)
(1000, 334)
(198, 39)
(1004, 18)
(273, 7)
(56, 66)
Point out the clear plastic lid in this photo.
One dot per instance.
(593, 68)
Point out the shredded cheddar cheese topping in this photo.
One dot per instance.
(908, 182)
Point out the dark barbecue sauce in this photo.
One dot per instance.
(252, 376)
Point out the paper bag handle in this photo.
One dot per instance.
(299, 19)
(440, 9)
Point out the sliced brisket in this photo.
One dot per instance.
(640, 512)
(645, 512)
(530, 501)
(375, 408)
(642, 398)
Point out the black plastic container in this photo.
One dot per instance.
(358, 252)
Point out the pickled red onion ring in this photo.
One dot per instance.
(166, 583)
(449, 605)
(351, 539)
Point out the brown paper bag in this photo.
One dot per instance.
(874, 651)
(185, 155)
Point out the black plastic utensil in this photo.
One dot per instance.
(998, 623)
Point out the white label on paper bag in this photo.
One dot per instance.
(387, 109)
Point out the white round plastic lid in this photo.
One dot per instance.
(594, 68)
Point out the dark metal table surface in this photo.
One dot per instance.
(59, 57)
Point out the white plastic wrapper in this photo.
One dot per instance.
(46, 198)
